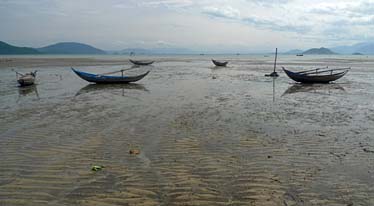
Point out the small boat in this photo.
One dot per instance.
(141, 63)
(219, 64)
(104, 79)
(299, 55)
(319, 75)
(26, 79)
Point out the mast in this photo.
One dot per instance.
(275, 61)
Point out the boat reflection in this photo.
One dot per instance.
(314, 88)
(28, 90)
(110, 87)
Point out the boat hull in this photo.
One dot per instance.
(141, 63)
(26, 80)
(311, 79)
(219, 64)
(102, 79)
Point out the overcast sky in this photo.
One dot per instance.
(208, 25)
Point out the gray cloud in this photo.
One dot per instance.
(170, 22)
(272, 25)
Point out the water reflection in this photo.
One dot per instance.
(274, 78)
(110, 87)
(27, 91)
(314, 88)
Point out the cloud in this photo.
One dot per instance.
(171, 21)
(274, 26)
(222, 12)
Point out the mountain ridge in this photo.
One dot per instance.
(8, 49)
(70, 48)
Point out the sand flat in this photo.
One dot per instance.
(206, 135)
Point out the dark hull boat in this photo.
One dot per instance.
(219, 64)
(316, 75)
(103, 79)
(141, 63)
(26, 79)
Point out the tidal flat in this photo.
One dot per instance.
(206, 135)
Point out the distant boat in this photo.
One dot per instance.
(299, 55)
(103, 79)
(141, 63)
(317, 75)
(220, 64)
(26, 79)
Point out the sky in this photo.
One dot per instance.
(199, 25)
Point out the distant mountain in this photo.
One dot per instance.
(10, 49)
(320, 51)
(363, 47)
(70, 48)
(294, 51)
(153, 51)
(134, 51)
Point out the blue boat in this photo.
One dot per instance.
(104, 79)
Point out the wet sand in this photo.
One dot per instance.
(206, 135)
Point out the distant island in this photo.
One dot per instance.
(366, 48)
(59, 48)
(294, 51)
(7, 49)
(70, 48)
(357, 53)
(318, 51)
(363, 48)
(313, 51)
(75, 48)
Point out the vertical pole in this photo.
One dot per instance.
(122, 72)
(276, 54)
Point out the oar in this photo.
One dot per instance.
(122, 70)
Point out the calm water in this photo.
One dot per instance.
(207, 135)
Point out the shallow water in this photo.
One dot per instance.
(207, 135)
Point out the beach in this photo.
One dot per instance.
(206, 135)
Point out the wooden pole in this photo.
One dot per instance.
(275, 62)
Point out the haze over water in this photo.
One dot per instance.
(206, 135)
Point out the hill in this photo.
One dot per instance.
(320, 51)
(155, 51)
(70, 48)
(10, 49)
(363, 47)
(294, 51)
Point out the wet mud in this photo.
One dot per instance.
(205, 135)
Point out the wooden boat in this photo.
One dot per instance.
(319, 75)
(104, 79)
(26, 79)
(141, 63)
(219, 64)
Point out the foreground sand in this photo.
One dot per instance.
(235, 139)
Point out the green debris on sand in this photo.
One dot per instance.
(97, 168)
